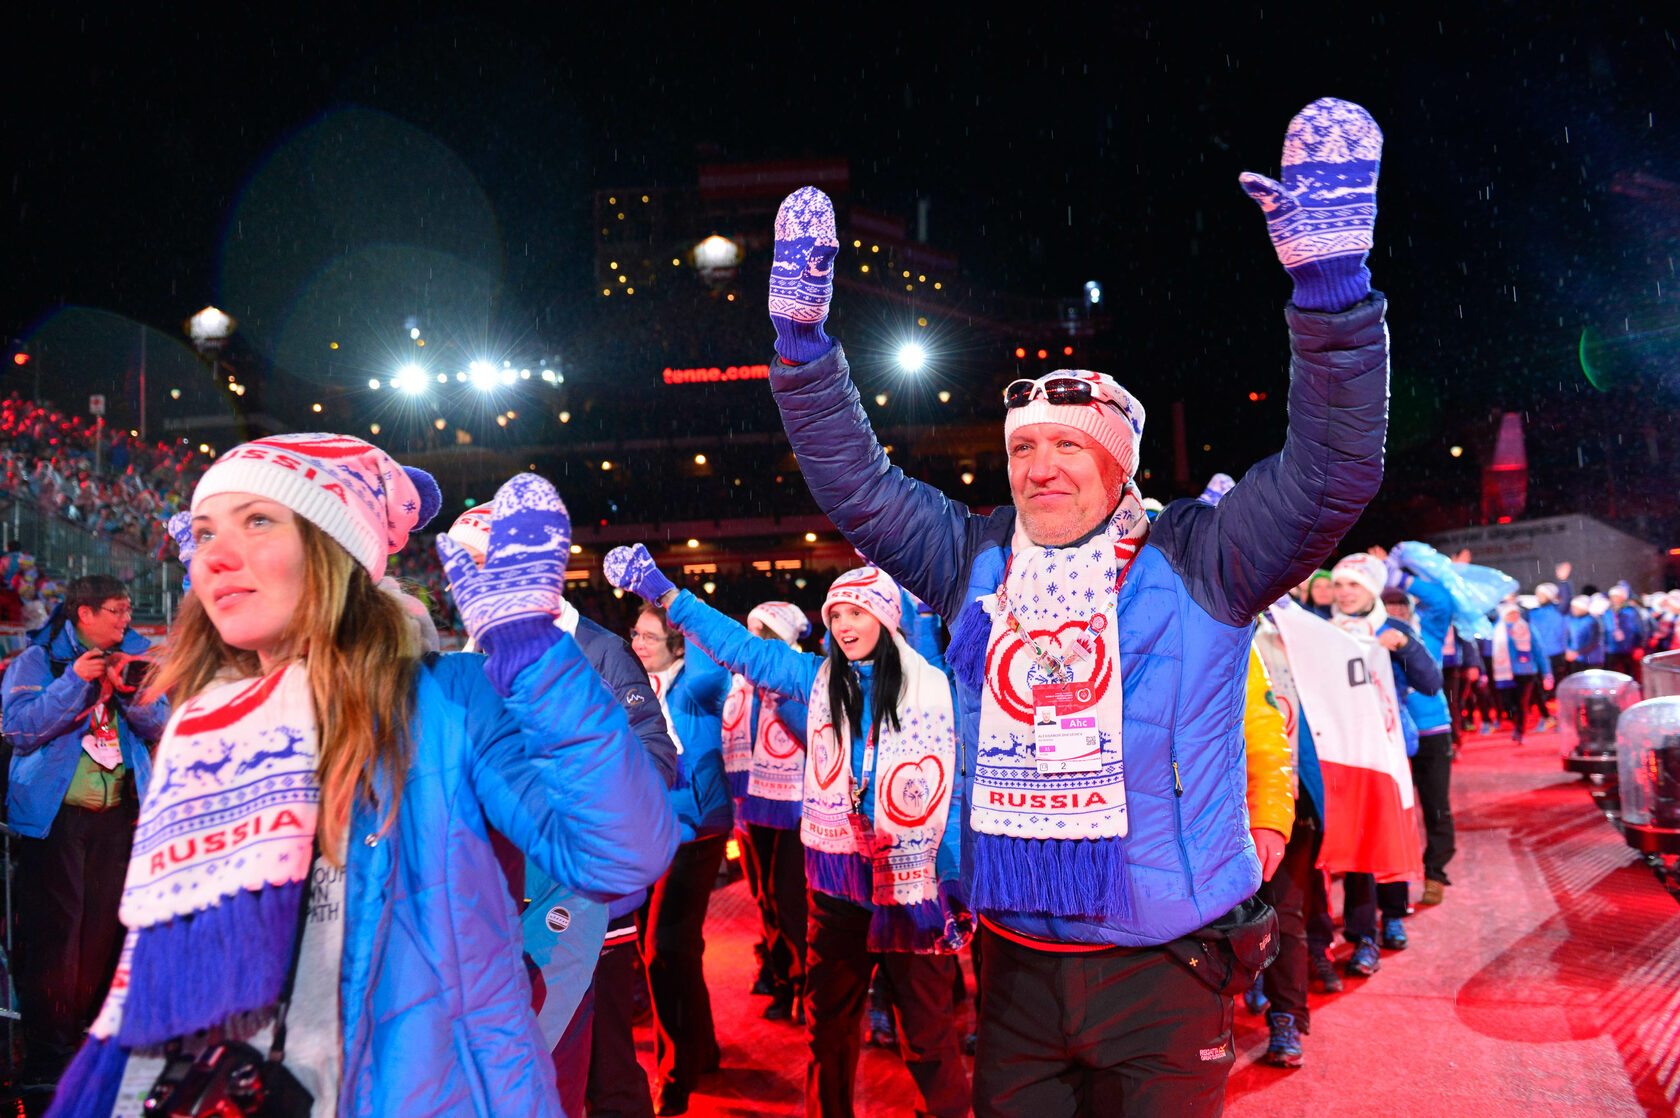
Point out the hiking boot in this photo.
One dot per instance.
(1322, 974)
(1433, 892)
(1365, 960)
(1284, 1049)
(1254, 998)
(1394, 935)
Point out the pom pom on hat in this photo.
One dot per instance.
(870, 589)
(431, 497)
(353, 491)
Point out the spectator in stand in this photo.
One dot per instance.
(81, 736)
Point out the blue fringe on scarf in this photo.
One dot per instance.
(780, 814)
(1079, 878)
(738, 783)
(966, 654)
(88, 1088)
(906, 927)
(198, 970)
(846, 876)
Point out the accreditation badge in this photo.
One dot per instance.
(1065, 737)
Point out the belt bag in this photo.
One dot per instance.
(1230, 951)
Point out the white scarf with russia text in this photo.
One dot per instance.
(773, 757)
(1055, 592)
(915, 771)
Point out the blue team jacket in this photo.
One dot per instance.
(1186, 612)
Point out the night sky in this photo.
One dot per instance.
(1530, 187)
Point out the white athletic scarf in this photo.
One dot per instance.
(1055, 593)
(915, 772)
(232, 806)
(773, 757)
(1504, 670)
(1361, 624)
(663, 681)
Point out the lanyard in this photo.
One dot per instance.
(1058, 668)
(868, 770)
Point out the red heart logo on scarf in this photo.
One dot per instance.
(824, 750)
(735, 708)
(779, 743)
(911, 797)
(1000, 666)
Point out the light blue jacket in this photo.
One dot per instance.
(702, 801)
(1435, 607)
(436, 1003)
(44, 719)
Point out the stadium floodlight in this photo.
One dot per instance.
(412, 379)
(911, 357)
(507, 376)
(482, 375)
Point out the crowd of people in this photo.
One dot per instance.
(432, 884)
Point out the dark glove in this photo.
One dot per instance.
(1321, 215)
(959, 920)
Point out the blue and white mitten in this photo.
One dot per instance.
(509, 606)
(633, 569)
(802, 278)
(180, 530)
(1321, 215)
(959, 918)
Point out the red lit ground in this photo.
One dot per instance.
(1548, 983)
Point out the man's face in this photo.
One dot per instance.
(1351, 598)
(102, 626)
(1063, 481)
(1618, 598)
(1400, 611)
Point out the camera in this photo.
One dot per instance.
(134, 673)
(230, 1080)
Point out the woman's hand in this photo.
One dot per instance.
(633, 569)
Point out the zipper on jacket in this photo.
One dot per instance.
(1178, 820)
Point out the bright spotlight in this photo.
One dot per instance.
(411, 379)
(507, 376)
(911, 357)
(1093, 293)
(373, 384)
(483, 375)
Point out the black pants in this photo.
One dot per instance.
(836, 988)
(1518, 697)
(1363, 899)
(1432, 776)
(617, 1086)
(780, 858)
(1123, 1032)
(672, 926)
(69, 888)
(1456, 686)
(1286, 892)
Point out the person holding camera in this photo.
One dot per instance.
(81, 732)
(318, 921)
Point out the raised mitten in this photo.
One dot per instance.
(802, 277)
(1321, 215)
(633, 569)
(509, 606)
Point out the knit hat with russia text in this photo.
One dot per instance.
(870, 589)
(354, 492)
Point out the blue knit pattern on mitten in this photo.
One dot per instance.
(1320, 217)
(525, 562)
(802, 277)
(633, 569)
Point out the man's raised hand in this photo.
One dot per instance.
(802, 277)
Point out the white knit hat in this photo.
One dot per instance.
(1365, 569)
(784, 619)
(351, 490)
(472, 530)
(870, 589)
(1117, 426)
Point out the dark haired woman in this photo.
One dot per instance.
(882, 868)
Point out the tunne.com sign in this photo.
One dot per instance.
(715, 374)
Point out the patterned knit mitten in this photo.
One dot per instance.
(509, 606)
(1321, 215)
(633, 569)
(802, 278)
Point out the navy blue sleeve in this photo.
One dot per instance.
(909, 529)
(1422, 672)
(628, 681)
(1287, 514)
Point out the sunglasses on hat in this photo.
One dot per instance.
(1058, 391)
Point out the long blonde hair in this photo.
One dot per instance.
(361, 654)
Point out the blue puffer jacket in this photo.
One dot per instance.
(1585, 639)
(44, 720)
(435, 999)
(1186, 611)
(1629, 625)
(1434, 617)
(702, 801)
(1550, 627)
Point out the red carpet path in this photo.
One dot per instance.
(1548, 983)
